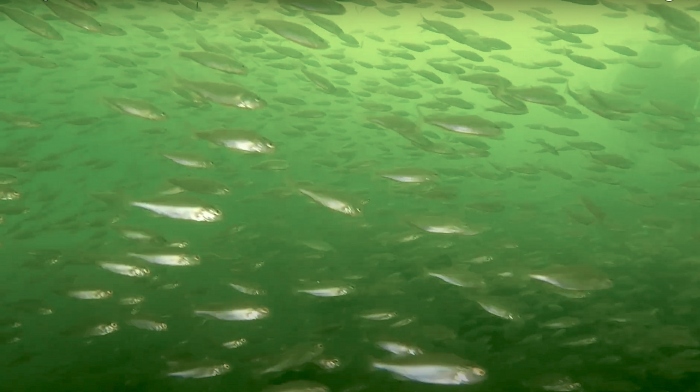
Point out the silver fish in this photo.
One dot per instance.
(175, 260)
(202, 372)
(331, 202)
(148, 325)
(182, 211)
(440, 369)
(126, 270)
(240, 314)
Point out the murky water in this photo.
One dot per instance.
(315, 195)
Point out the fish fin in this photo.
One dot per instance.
(170, 80)
(373, 363)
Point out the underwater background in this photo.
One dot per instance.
(365, 195)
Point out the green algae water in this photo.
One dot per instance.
(347, 196)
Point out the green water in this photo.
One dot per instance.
(205, 197)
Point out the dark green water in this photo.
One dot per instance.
(354, 196)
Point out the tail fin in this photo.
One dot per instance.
(112, 199)
(115, 201)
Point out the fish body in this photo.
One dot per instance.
(225, 94)
(174, 260)
(443, 369)
(242, 314)
(181, 212)
(32, 23)
(331, 202)
(126, 270)
(202, 372)
(136, 108)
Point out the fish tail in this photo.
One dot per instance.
(110, 198)
(172, 76)
(114, 201)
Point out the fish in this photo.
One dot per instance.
(437, 369)
(614, 160)
(459, 277)
(321, 82)
(226, 94)
(443, 225)
(189, 160)
(199, 185)
(325, 24)
(242, 140)
(148, 325)
(236, 314)
(294, 32)
(326, 7)
(217, 62)
(90, 294)
(247, 289)
(623, 50)
(125, 269)
(575, 278)
(202, 372)
(294, 357)
(102, 329)
(331, 201)
(409, 175)
(298, 386)
(543, 95)
(74, 17)
(180, 209)
(675, 17)
(468, 125)
(169, 259)
(32, 23)
(398, 348)
(136, 108)
(86, 5)
(586, 61)
(480, 5)
(499, 307)
(327, 290)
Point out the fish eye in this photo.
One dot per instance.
(226, 366)
(479, 371)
